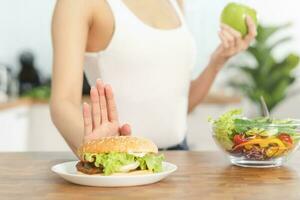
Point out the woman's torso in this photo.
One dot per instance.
(149, 70)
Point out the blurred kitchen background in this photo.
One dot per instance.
(269, 68)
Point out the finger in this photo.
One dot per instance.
(251, 26)
(111, 104)
(237, 35)
(223, 39)
(229, 38)
(103, 105)
(239, 44)
(125, 129)
(234, 32)
(252, 32)
(95, 107)
(87, 119)
(244, 46)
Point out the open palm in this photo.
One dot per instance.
(101, 118)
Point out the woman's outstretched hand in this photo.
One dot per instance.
(101, 117)
(232, 42)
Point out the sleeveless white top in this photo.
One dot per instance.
(149, 70)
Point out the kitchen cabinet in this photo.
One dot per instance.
(28, 127)
(14, 126)
(43, 135)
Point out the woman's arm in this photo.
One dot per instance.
(231, 44)
(181, 4)
(69, 35)
(71, 23)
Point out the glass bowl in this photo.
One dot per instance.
(261, 142)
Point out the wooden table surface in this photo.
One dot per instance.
(200, 175)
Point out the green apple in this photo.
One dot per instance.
(234, 15)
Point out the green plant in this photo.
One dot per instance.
(269, 77)
(40, 93)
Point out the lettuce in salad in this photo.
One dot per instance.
(232, 123)
(112, 162)
(224, 127)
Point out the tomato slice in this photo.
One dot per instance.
(239, 139)
(285, 138)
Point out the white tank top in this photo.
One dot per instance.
(149, 70)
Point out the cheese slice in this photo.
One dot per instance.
(129, 167)
(137, 154)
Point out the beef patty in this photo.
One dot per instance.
(89, 168)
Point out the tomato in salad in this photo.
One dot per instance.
(258, 139)
(239, 139)
(285, 138)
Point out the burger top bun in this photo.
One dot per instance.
(120, 144)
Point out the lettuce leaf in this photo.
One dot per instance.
(151, 162)
(224, 128)
(112, 162)
(265, 126)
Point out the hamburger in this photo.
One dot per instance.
(119, 155)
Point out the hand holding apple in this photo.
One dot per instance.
(234, 15)
(238, 30)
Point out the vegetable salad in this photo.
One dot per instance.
(255, 139)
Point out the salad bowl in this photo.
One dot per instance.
(258, 142)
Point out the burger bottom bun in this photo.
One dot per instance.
(132, 173)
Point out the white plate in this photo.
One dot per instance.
(69, 172)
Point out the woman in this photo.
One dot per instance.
(144, 51)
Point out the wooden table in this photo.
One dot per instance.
(201, 175)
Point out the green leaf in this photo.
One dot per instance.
(154, 163)
(265, 32)
(112, 162)
(278, 94)
(288, 64)
(262, 127)
(248, 70)
(224, 128)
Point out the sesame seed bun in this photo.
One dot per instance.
(120, 144)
